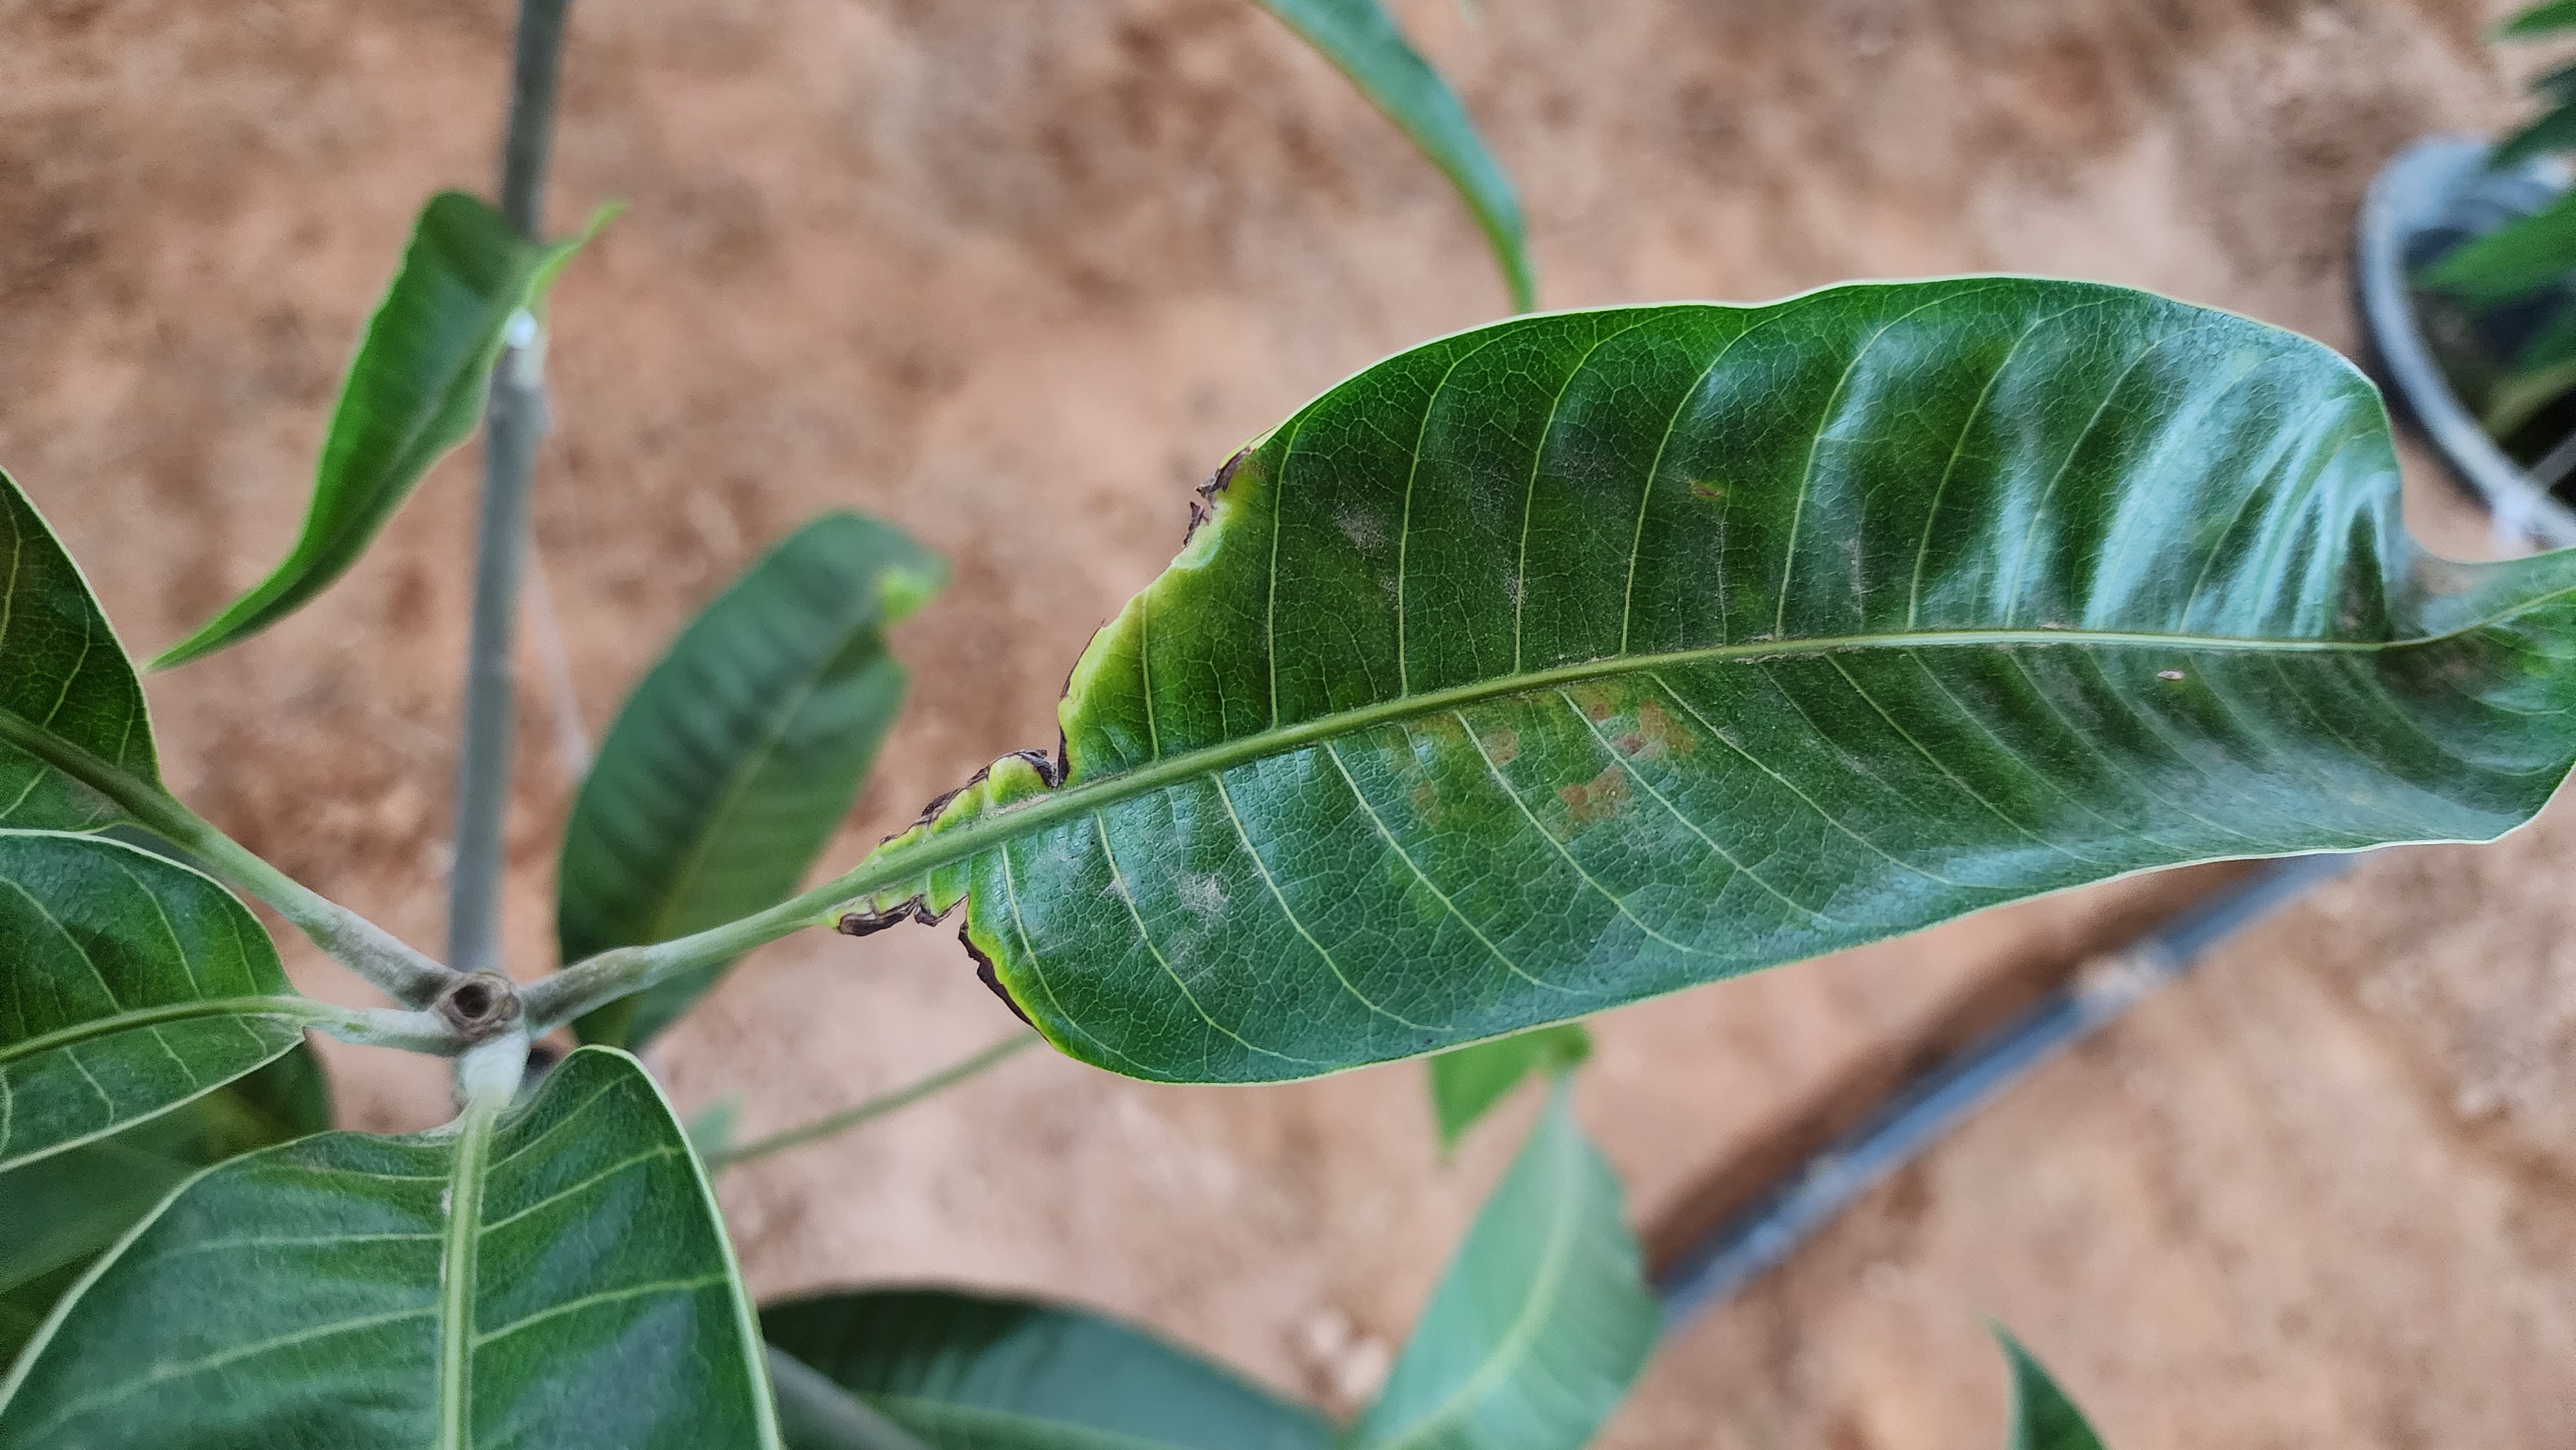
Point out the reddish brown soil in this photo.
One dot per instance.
(1016, 274)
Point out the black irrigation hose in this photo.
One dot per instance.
(1762, 1235)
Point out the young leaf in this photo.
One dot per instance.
(1362, 41)
(733, 761)
(65, 684)
(63, 1210)
(2043, 1417)
(412, 393)
(1466, 1081)
(1584, 657)
(1540, 1322)
(133, 985)
(2513, 261)
(550, 1275)
(964, 1371)
(2541, 19)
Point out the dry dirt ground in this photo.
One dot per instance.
(1016, 273)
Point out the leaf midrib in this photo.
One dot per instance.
(456, 1266)
(1545, 1291)
(893, 868)
(298, 1008)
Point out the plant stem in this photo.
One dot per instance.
(514, 423)
(384, 1027)
(360, 944)
(364, 947)
(875, 1107)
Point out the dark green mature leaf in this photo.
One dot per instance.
(63, 1210)
(1362, 40)
(2552, 130)
(2043, 1417)
(128, 985)
(2539, 20)
(2512, 261)
(738, 755)
(965, 1371)
(1585, 657)
(64, 681)
(551, 1275)
(1541, 1321)
(412, 393)
(1467, 1081)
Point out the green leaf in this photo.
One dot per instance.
(1362, 41)
(1541, 1321)
(63, 1210)
(413, 392)
(579, 1294)
(65, 683)
(1466, 1081)
(133, 985)
(1585, 657)
(2539, 20)
(2512, 261)
(2553, 130)
(966, 1371)
(2043, 1417)
(731, 765)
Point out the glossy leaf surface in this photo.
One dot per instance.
(64, 682)
(128, 985)
(2043, 1417)
(553, 1276)
(412, 393)
(1584, 657)
(64, 1209)
(1467, 1081)
(1362, 41)
(732, 763)
(964, 1371)
(1541, 1321)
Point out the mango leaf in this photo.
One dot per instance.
(1362, 41)
(413, 392)
(1466, 1081)
(962, 1371)
(1585, 657)
(1541, 1321)
(2043, 1417)
(734, 760)
(65, 1209)
(2512, 261)
(553, 1274)
(2542, 19)
(2552, 130)
(68, 695)
(132, 985)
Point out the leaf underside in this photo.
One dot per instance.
(597, 1304)
(737, 756)
(963, 1371)
(1585, 657)
(1466, 1082)
(1362, 41)
(128, 986)
(62, 675)
(1541, 1321)
(412, 393)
